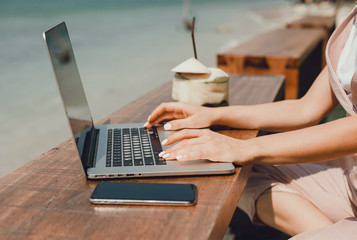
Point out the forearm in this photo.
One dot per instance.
(275, 117)
(318, 143)
(285, 115)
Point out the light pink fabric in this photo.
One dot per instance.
(343, 230)
(333, 51)
(332, 190)
(325, 187)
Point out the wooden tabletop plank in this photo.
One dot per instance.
(291, 44)
(48, 198)
(310, 21)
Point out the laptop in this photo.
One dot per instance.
(113, 150)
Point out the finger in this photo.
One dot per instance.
(186, 153)
(190, 156)
(174, 121)
(179, 124)
(183, 145)
(164, 117)
(169, 153)
(181, 135)
(166, 111)
(189, 149)
(167, 156)
(163, 108)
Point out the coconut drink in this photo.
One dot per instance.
(194, 83)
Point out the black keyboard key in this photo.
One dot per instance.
(128, 163)
(155, 141)
(149, 161)
(160, 162)
(138, 162)
(117, 164)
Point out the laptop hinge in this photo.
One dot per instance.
(90, 148)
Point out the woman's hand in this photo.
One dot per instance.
(206, 144)
(181, 115)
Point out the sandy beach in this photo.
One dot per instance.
(121, 55)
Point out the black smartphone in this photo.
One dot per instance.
(144, 194)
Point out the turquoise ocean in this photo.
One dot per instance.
(134, 42)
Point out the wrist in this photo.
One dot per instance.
(217, 116)
(253, 151)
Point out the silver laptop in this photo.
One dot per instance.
(114, 150)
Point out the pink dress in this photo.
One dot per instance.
(332, 190)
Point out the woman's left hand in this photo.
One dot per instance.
(205, 144)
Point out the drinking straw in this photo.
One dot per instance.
(193, 36)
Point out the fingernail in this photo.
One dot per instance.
(166, 155)
(167, 126)
(149, 118)
(164, 142)
(161, 154)
(145, 124)
(179, 157)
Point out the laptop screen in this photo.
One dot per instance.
(68, 79)
(72, 92)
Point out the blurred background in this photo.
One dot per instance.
(123, 48)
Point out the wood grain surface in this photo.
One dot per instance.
(326, 23)
(293, 53)
(48, 198)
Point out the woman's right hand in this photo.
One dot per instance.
(179, 115)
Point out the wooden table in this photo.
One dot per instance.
(294, 53)
(326, 23)
(48, 198)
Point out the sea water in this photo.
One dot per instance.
(123, 49)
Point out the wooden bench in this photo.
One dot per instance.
(326, 23)
(294, 53)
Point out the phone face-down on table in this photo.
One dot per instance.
(144, 194)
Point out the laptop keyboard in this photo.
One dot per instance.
(133, 147)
